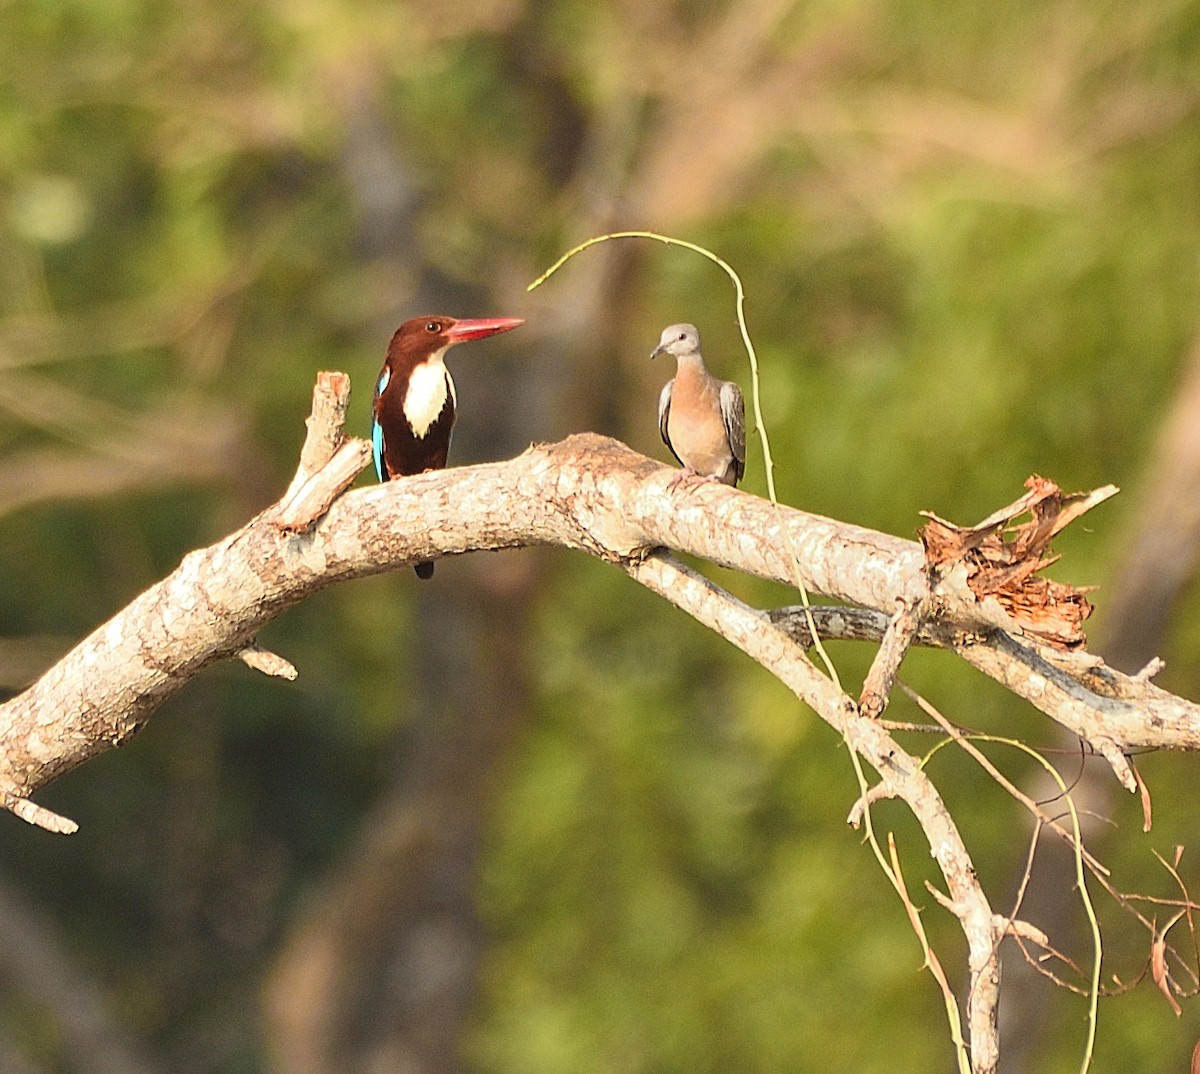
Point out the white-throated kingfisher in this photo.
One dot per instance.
(413, 413)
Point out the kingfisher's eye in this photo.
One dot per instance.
(433, 326)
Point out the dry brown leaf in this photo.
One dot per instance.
(1144, 791)
(1158, 970)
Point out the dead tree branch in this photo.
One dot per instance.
(588, 493)
(900, 773)
(975, 591)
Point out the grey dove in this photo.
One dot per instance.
(702, 419)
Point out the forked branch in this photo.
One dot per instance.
(595, 495)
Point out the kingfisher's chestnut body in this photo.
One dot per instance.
(414, 409)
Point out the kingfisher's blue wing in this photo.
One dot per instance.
(385, 376)
(377, 447)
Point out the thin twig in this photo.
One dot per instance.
(899, 635)
(749, 630)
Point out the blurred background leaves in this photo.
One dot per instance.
(527, 818)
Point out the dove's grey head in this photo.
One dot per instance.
(680, 341)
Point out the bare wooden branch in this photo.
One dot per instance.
(594, 494)
(312, 499)
(586, 492)
(255, 656)
(39, 816)
(331, 399)
(1114, 713)
(897, 637)
(1025, 930)
(878, 793)
(752, 632)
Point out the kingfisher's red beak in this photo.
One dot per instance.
(481, 328)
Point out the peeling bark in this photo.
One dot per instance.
(1002, 562)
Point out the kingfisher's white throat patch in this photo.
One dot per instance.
(428, 386)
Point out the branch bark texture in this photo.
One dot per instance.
(595, 495)
(586, 492)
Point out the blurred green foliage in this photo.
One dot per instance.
(969, 237)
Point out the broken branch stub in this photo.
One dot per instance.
(1003, 560)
